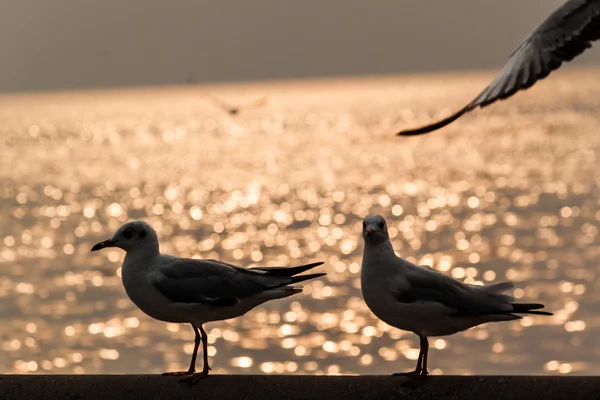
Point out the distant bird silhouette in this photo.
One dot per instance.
(564, 35)
(236, 109)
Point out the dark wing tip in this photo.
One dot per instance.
(287, 271)
(540, 312)
(436, 125)
(301, 278)
(315, 264)
(527, 308)
(302, 268)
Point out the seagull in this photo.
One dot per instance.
(194, 291)
(234, 110)
(564, 35)
(424, 301)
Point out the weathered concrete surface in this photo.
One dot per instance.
(238, 387)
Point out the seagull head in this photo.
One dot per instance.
(130, 236)
(375, 229)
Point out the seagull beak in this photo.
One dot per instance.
(102, 245)
(369, 229)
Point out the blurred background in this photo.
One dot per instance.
(510, 192)
(71, 44)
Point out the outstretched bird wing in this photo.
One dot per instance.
(564, 35)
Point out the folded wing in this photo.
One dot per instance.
(219, 284)
(428, 285)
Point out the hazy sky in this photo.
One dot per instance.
(62, 44)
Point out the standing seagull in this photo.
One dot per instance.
(567, 33)
(421, 300)
(184, 290)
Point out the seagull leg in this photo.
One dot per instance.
(425, 346)
(195, 377)
(419, 368)
(192, 368)
(416, 379)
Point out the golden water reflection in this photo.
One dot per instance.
(506, 193)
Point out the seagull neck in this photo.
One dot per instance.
(143, 252)
(380, 249)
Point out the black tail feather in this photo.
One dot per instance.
(527, 308)
(287, 271)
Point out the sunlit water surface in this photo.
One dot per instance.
(510, 192)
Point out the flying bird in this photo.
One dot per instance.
(194, 291)
(564, 35)
(236, 109)
(422, 300)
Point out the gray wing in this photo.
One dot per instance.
(428, 285)
(212, 282)
(567, 33)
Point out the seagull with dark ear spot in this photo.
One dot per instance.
(194, 291)
(564, 35)
(422, 300)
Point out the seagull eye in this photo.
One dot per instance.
(128, 233)
(381, 224)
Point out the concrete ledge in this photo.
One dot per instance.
(238, 387)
